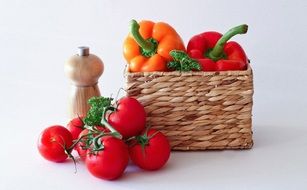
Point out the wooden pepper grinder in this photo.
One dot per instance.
(84, 70)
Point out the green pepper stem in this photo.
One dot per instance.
(134, 30)
(217, 52)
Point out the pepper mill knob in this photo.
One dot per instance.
(83, 70)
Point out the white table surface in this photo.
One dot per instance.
(38, 36)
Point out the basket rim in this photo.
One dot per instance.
(248, 71)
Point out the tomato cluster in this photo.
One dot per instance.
(106, 148)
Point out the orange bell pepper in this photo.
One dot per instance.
(148, 45)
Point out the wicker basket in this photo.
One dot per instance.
(197, 110)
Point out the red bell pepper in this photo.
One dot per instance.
(214, 53)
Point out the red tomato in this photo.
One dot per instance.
(129, 119)
(80, 147)
(111, 162)
(75, 126)
(153, 154)
(52, 143)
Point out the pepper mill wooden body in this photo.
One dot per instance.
(84, 70)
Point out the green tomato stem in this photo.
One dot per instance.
(107, 125)
(77, 141)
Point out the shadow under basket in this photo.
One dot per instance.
(197, 110)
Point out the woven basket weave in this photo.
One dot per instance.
(197, 110)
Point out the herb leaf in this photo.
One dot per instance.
(174, 65)
(182, 62)
(94, 114)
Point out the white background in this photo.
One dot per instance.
(36, 37)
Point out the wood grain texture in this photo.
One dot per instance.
(78, 98)
(197, 110)
(83, 72)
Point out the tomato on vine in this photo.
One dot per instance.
(108, 159)
(128, 117)
(54, 143)
(150, 151)
(82, 146)
(75, 126)
(85, 140)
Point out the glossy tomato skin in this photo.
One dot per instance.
(111, 162)
(155, 154)
(51, 141)
(75, 126)
(130, 117)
